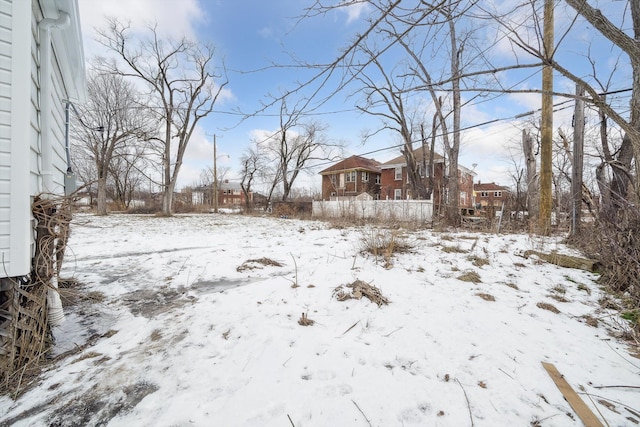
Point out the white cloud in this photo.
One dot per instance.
(173, 20)
(355, 10)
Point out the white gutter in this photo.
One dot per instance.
(45, 26)
(54, 304)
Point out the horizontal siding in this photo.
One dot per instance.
(5, 135)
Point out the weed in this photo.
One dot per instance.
(453, 249)
(384, 242)
(558, 298)
(305, 321)
(486, 297)
(559, 289)
(470, 276)
(547, 306)
(631, 316)
(584, 288)
(478, 261)
(252, 264)
(591, 321)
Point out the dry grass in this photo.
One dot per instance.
(453, 249)
(384, 242)
(590, 320)
(470, 276)
(305, 321)
(486, 297)
(547, 306)
(252, 264)
(478, 261)
(559, 298)
(359, 289)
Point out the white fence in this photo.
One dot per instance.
(404, 210)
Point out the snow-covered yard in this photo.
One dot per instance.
(194, 321)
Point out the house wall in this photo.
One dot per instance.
(491, 199)
(352, 188)
(15, 132)
(21, 162)
(390, 184)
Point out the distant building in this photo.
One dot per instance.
(395, 180)
(354, 176)
(490, 194)
(229, 194)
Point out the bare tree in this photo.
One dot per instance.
(295, 146)
(182, 84)
(252, 166)
(125, 176)
(110, 120)
(386, 97)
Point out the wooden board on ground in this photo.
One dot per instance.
(582, 410)
(567, 261)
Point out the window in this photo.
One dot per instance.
(351, 176)
(497, 194)
(398, 174)
(397, 194)
(484, 194)
(463, 198)
(365, 176)
(378, 179)
(333, 179)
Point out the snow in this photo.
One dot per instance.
(180, 336)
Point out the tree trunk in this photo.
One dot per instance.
(532, 178)
(102, 196)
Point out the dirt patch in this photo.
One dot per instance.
(252, 264)
(152, 302)
(359, 289)
(98, 407)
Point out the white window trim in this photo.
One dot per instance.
(395, 176)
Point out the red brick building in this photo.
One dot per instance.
(395, 182)
(490, 194)
(354, 176)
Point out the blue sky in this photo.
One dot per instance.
(253, 34)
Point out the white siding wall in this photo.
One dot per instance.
(21, 165)
(5, 126)
(15, 64)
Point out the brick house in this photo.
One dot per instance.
(354, 176)
(229, 194)
(395, 182)
(490, 194)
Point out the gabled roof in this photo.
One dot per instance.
(489, 186)
(353, 163)
(400, 161)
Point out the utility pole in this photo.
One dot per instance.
(546, 200)
(578, 159)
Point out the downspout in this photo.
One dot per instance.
(54, 304)
(44, 27)
(69, 177)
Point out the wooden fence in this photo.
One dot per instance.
(401, 210)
